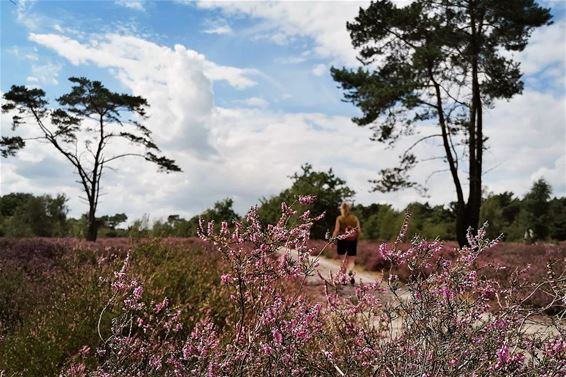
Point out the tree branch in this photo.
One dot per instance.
(435, 172)
(419, 141)
(123, 155)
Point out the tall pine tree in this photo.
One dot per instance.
(89, 119)
(444, 61)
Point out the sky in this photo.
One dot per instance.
(241, 96)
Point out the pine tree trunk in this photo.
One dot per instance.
(92, 230)
(461, 215)
(461, 224)
(475, 134)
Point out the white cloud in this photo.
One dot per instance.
(25, 16)
(217, 26)
(24, 53)
(127, 52)
(304, 56)
(323, 22)
(546, 48)
(253, 102)
(176, 81)
(527, 141)
(47, 73)
(319, 70)
(544, 58)
(239, 78)
(131, 4)
(281, 38)
(555, 175)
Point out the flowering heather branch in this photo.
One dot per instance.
(307, 199)
(448, 320)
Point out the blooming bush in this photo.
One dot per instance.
(448, 320)
(504, 263)
(49, 299)
(52, 295)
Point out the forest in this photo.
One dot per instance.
(28, 215)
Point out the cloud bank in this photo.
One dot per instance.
(248, 150)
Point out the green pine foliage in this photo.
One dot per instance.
(437, 63)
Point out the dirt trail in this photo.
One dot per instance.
(327, 268)
(330, 267)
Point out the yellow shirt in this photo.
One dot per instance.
(348, 221)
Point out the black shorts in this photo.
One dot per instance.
(347, 247)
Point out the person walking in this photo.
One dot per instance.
(346, 232)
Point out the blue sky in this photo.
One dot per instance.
(241, 96)
(234, 41)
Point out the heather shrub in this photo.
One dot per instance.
(526, 270)
(447, 320)
(51, 304)
(504, 263)
(187, 272)
(54, 295)
(264, 324)
(443, 322)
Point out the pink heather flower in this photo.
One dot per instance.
(404, 228)
(224, 228)
(307, 199)
(159, 307)
(277, 337)
(320, 217)
(77, 370)
(349, 233)
(138, 292)
(518, 358)
(386, 251)
(554, 347)
(266, 349)
(84, 350)
(306, 215)
(487, 291)
(200, 229)
(155, 362)
(503, 356)
(447, 293)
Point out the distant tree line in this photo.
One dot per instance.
(537, 214)
(27, 215)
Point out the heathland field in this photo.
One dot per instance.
(235, 304)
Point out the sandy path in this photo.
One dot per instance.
(330, 267)
(327, 268)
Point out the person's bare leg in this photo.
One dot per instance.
(344, 265)
(350, 262)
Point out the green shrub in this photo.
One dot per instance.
(52, 294)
